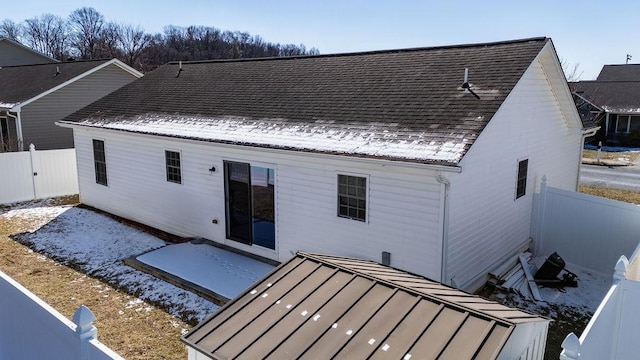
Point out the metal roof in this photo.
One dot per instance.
(321, 307)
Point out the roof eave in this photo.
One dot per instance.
(437, 165)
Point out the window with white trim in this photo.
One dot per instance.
(352, 197)
(100, 162)
(172, 161)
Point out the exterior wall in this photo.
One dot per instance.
(38, 118)
(404, 216)
(527, 342)
(10, 54)
(486, 222)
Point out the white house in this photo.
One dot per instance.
(424, 158)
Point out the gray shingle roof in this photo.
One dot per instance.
(621, 72)
(21, 83)
(399, 104)
(324, 307)
(613, 96)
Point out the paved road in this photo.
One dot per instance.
(619, 177)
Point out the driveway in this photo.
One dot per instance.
(617, 177)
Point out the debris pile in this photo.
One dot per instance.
(515, 276)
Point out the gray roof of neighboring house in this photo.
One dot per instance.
(612, 96)
(324, 307)
(23, 82)
(406, 105)
(622, 72)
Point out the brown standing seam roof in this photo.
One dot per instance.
(321, 307)
(395, 98)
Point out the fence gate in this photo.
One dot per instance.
(37, 174)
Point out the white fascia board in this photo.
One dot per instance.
(116, 62)
(560, 87)
(590, 103)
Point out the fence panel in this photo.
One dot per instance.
(16, 182)
(31, 329)
(30, 175)
(585, 230)
(57, 173)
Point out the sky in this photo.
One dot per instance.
(587, 33)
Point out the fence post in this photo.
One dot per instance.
(84, 318)
(32, 155)
(571, 348)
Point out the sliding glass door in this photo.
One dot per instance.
(250, 204)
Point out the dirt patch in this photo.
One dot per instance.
(132, 328)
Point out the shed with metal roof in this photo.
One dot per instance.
(329, 307)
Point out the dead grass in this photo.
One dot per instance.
(134, 334)
(615, 194)
(626, 156)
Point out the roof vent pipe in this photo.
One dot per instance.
(179, 68)
(466, 85)
(57, 71)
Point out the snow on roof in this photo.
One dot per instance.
(321, 136)
(6, 105)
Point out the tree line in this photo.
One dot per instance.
(85, 35)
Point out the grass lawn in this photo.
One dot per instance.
(131, 330)
(615, 194)
(626, 156)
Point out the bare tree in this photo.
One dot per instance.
(48, 34)
(571, 72)
(10, 30)
(132, 41)
(86, 24)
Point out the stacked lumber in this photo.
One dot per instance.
(516, 275)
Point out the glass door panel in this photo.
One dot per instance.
(238, 199)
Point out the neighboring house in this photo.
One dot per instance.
(34, 97)
(13, 53)
(370, 155)
(325, 307)
(612, 100)
(612, 331)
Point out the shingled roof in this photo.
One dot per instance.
(612, 96)
(620, 72)
(325, 307)
(23, 82)
(406, 105)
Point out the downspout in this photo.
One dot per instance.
(444, 205)
(606, 125)
(584, 134)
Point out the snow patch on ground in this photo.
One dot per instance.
(97, 244)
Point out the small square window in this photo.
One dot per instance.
(172, 161)
(352, 197)
(521, 182)
(100, 162)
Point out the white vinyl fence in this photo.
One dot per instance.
(585, 230)
(31, 329)
(30, 175)
(612, 331)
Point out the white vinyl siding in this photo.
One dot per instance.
(485, 222)
(39, 117)
(404, 215)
